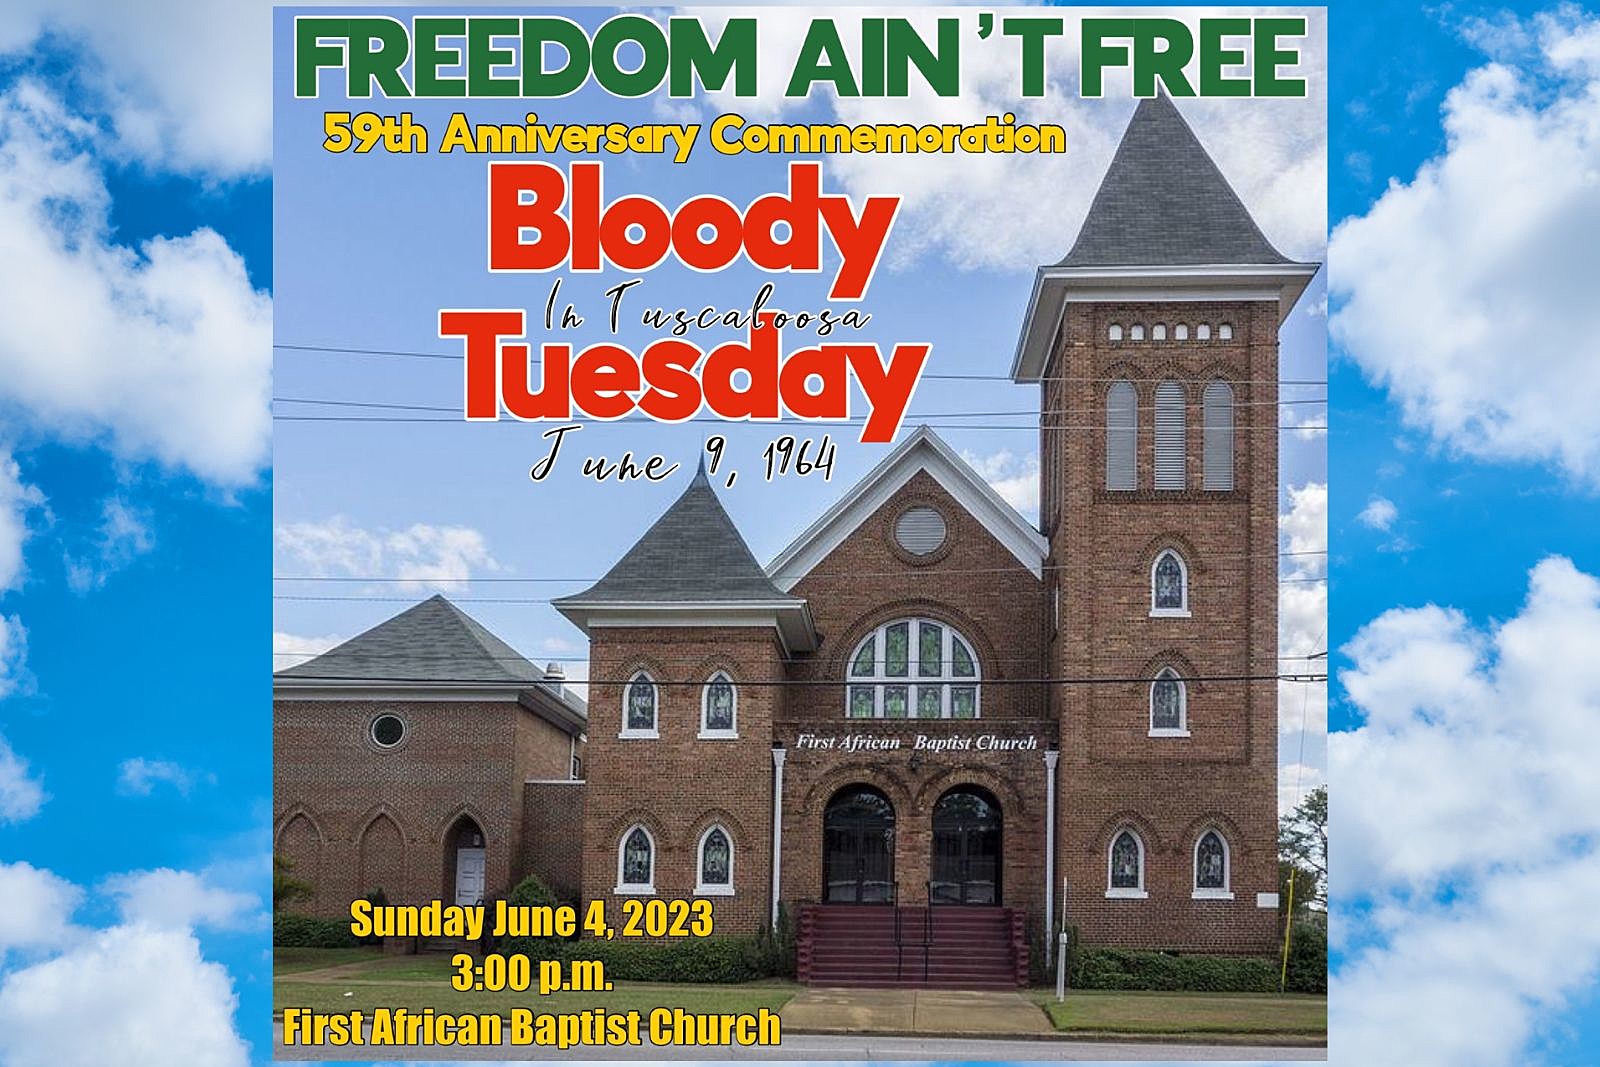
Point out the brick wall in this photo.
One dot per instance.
(678, 784)
(975, 585)
(552, 835)
(1170, 789)
(353, 817)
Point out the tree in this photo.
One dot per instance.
(286, 889)
(1303, 845)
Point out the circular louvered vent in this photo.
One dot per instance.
(919, 531)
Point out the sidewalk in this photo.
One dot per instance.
(935, 1012)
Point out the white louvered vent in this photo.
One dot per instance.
(919, 531)
(1219, 436)
(1122, 436)
(1169, 436)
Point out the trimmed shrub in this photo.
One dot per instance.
(310, 931)
(532, 892)
(1308, 959)
(1109, 968)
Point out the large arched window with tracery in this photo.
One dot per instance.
(913, 668)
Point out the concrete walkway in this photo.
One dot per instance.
(935, 1012)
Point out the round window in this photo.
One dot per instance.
(919, 530)
(387, 730)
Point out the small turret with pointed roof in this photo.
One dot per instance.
(1164, 224)
(691, 557)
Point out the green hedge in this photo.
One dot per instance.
(1111, 968)
(1308, 959)
(308, 931)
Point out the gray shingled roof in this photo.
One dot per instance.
(1163, 202)
(692, 554)
(433, 641)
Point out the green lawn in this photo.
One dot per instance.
(368, 980)
(294, 960)
(1118, 1012)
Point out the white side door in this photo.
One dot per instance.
(469, 875)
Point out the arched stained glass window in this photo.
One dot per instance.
(1211, 864)
(1168, 713)
(913, 668)
(1169, 585)
(1125, 872)
(716, 863)
(719, 707)
(639, 707)
(636, 857)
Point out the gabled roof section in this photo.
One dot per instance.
(435, 645)
(692, 554)
(926, 451)
(691, 568)
(1163, 202)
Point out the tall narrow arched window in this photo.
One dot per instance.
(1171, 439)
(714, 875)
(636, 862)
(1125, 866)
(1122, 436)
(913, 668)
(719, 707)
(1169, 586)
(1114, 332)
(1158, 332)
(1219, 436)
(639, 701)
(1212, 867)
(1169, 712)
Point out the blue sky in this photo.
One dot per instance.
(135, 543)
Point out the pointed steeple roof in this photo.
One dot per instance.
(433, 641)
(693, 553)
(691, 568)
(1163, 202)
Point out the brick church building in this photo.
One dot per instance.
(927, 718)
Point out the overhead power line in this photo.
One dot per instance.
(457, 357)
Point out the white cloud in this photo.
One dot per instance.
(422, 556)
(187, 86)
(162, 352)
(1302, 630)
(38, 908)
(14, 675)
(289, 650)
(1465, 817)
(1476, 309)
(21, 794)
(1379, 514)
(982, 211)
(1014, 477)
(16, 500)
(136, 995)
(170, 899)
(124, 535)
(139, 776)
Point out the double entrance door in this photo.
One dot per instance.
(858, 848)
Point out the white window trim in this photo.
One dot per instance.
(947, 681)
(1182, 729)
(701, 889)
(1181, 612)
(654, 731)
(1125, 893)
(1226, 892)
(706, 733)
(636, 889)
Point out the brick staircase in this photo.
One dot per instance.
(955, 947)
